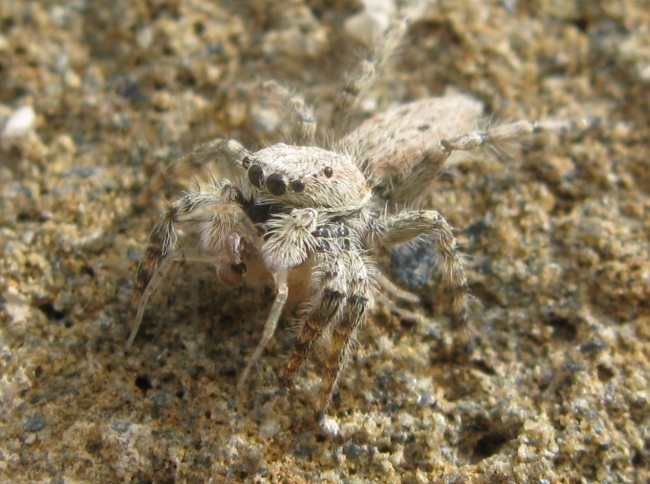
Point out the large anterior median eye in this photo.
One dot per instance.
(276, 184)
(256, 175)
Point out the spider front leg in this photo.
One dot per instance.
(342, 295)
(357, 303)
(403, 227)
(147, 283)
(325, 308)
(282, 291)
(289, 241)
(213, 215)
(230, 149)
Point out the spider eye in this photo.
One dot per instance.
(321, 232)
(322, 246)
(276, 184)
(297, 186)
(256, 175)
(246, 162)
(328, 172)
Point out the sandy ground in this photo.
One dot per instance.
(556, 386)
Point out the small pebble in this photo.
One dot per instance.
(120, 427)
(329, 426)
(19, 123)
(373, 21)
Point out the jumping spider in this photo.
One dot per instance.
(303, 209)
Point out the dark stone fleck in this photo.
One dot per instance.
(573, 366)
(132, 91)
(161, 399)
(196, 371)
(34, 422)
(120, 427)
(414, 262)
(81, 172)
(593, 347)
(353, 451)
(94, 445)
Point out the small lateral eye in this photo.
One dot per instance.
(276, 184)
(297, 186)
(256, 175)
(328, 171)
(246, 162)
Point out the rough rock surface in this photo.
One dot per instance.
(96, 97)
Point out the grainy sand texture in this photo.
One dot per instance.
(97, 97)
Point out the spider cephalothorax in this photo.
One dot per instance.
(300, 206)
